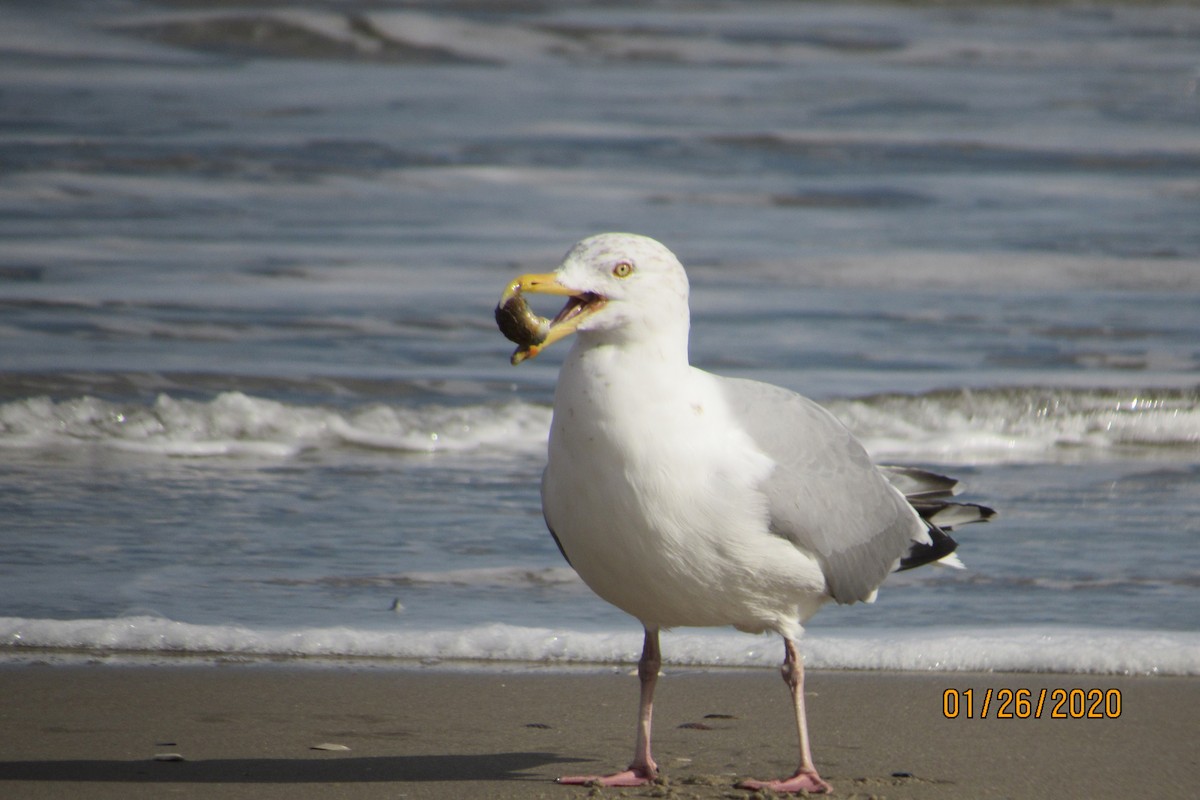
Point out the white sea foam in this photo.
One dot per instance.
(982, 427)
(1028, 649)
(1024, 425)
(236, 424)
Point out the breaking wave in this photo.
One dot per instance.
(1029, 649)
(1006, 425)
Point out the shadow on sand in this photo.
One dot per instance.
(483, 767)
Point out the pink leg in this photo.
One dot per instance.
(643, 769)
(805, 778)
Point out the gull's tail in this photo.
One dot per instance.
(928, 493)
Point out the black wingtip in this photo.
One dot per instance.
(940, 546)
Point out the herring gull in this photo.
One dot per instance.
(689, 499)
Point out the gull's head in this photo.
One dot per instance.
(619, 286)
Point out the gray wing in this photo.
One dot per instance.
(825, 495)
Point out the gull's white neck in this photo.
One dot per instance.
(661, 343)
(621, 391)
(623, 383)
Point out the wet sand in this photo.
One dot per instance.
(247, 731)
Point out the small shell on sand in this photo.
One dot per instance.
(331, 747)
(168, 757)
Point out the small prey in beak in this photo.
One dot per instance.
(531, 332)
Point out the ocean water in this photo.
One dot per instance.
(253, 402)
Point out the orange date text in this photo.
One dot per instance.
(1031, 703)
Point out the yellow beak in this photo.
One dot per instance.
(531, 332)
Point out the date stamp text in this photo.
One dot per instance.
(1031, 703)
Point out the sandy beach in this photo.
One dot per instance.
(102, 731)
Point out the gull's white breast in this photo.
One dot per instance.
(653, 491)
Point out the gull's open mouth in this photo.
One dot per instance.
(578, 304)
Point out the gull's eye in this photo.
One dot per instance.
(623, 269)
